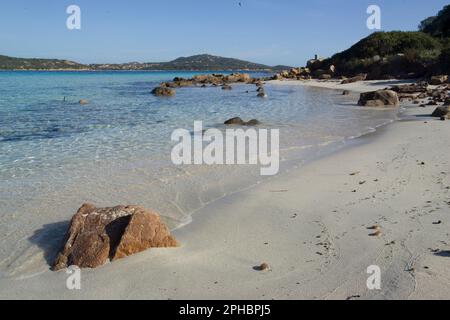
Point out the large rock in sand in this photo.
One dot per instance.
(379, 98)
(96, 235)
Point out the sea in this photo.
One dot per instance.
(56, 154)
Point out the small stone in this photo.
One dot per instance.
(264, 267)
(377, 233)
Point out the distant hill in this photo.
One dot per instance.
(9, 63)
(201, 62)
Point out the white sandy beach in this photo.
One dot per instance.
(309, 224)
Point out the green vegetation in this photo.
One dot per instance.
(437, 26)
(386, 44)
(389, 54)
(398, 54)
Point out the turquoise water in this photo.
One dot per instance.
(56, 154)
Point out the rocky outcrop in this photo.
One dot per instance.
(411, 88)
(163, 92)
(379, 98)
(293, 74)
(441, 111)
(240, 122)
(360, 77)
(96, 235)
(438, 80)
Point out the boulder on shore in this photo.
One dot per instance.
(98, 234)
(360, 77)
(437, 80)
(441, 111)
(379, 98)
(163, 92)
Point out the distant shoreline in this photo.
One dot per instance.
(131, 70)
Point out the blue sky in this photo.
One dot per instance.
(266, 31)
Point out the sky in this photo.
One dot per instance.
(272, 32)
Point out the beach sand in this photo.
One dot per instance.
(309, 224)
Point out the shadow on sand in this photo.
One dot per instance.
(50, 239)
(443, 253)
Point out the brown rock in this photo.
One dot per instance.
(83, 102)
(379, 98)
(98, 234)
(145, 230)
(163, 92)
(360, 77)
(235, 121)
(240, 122)
(346, 93)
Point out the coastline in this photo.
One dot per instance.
(308, 224)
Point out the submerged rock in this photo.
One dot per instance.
(236, 121)
(227, 87)
(379, 98)
(240, 122)
(83, 102)
(163, 92)
(252, 122)
(98, 234)
(262, 94)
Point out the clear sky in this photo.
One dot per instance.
(266, 31)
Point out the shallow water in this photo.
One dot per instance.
(56, 155)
